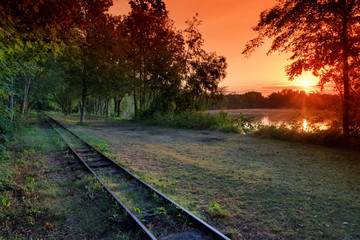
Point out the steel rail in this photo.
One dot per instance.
(202, 224)
(133, 217)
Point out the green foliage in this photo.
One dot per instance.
(30, 183)
(5, 202)
(8, 129)
(216, 210)
(160, 210)
(32, 141)
(330, 137)
(201, 120)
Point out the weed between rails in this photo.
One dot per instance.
(160, 218)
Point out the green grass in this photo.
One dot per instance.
(271, 189)
(40, 198)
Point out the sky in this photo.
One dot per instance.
(226, 28)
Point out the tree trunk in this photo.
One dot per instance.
(68, 107)
(154, 100)
(135, 103)
(119, 108)
(345, 71)
(101, 107)
(68, 110)
(141, 102)
(107, 106)
(115, 106)
(83, 102)
(26, 93)
(96, 107)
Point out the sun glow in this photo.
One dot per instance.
(305, 125)
(306, 83)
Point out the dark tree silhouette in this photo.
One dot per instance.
(203, 70)
(323, 37)
(155, 54)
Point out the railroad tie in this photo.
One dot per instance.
(121, 190)
(99, 164)
(149, 213)
(76, 167)
(73, 161)
(105, 172)
(82, 150)
(88, 155)
(95, 160)
(188, 235)
(80, 176)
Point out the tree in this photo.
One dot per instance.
(323, 37)
(203, 71)
(57, 86)
(47, 25)
(29, 30)
(155, 55)
(87, 54)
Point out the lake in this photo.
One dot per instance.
(322, 118)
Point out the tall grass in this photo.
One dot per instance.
(200, 120)
(328, 137)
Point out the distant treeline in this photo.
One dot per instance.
(286, 98)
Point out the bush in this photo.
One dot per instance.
(6, 130)
(200, 120)
(330, 137)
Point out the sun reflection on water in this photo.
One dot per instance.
(305, 125)
(265, 121)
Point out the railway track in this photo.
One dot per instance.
(151, 212)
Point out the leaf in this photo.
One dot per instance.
(5, 202)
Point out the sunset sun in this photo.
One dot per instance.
(306, 83)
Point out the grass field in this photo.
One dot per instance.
(247, 187)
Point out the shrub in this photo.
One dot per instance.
(330, 137)
(200, 120)
(6, 130)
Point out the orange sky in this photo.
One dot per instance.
(226, 28)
